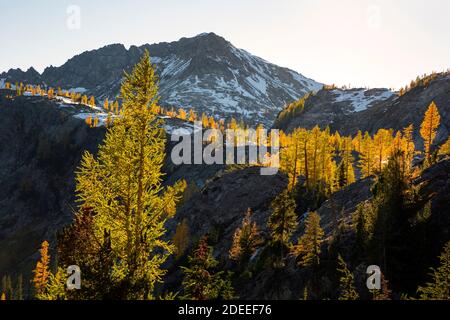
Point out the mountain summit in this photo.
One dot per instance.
(206, 73)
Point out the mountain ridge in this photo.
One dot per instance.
(328, 108)
(205, 72)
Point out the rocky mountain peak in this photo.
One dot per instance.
(32, 71)
(205, 72)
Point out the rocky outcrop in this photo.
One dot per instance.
(342, 204)
(223, 202)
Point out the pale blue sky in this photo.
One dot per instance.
(359, 42)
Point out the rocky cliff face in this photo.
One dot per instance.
(351, 110)
(40, 147)
(206, 73)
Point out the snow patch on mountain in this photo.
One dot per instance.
(258, 83)
(155, 60)
(184, 129)
(361, 99)
(312, 85)
(78, 90)
(173, 66)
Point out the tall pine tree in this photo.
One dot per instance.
(309, 244)
(282, 223)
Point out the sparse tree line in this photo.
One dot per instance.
(293, 109)
(20, 88)
(113, 108)
(118, 236)
(423, 80)
(296, 108)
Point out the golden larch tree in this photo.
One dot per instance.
(182, 114)
(92, 101)
(51, 93)
(428, 129)
(245, 240)
(192, 116)
(347, 290)
(123, 186)
(42, 272)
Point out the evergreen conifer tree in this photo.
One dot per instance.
(282, 223)
(439, 287)
(309, 244)
(201, 281)
(347, 290)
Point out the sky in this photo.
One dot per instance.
(361, 43)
